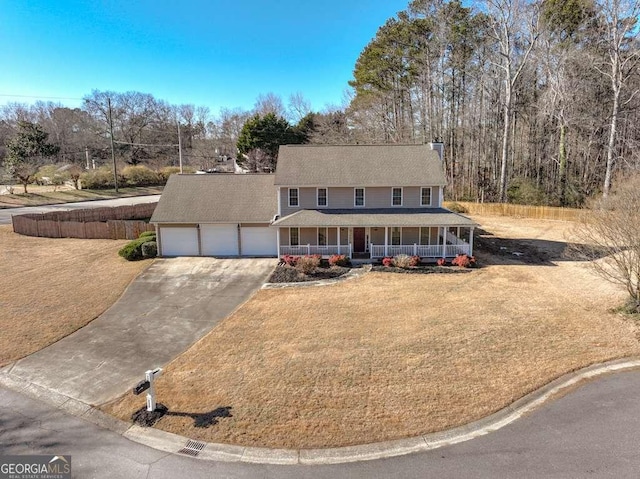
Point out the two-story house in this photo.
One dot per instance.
(364, 201)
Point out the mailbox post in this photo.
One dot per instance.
(147, 385)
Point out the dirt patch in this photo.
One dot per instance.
(51, 287)
(388, 356)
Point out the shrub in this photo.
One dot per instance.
(402, 261)
(290, 260)
(146, 234)
(457, 208)
(149, 249)
(415, 261)
(140, 176)
(339, 260)
(307, 264)
(167, 171)
(99, 179)
(388, 262)
(463, 261)
(132, 251)
(441, 262)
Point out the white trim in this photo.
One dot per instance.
(279, 193)
(289, 197)
(430, 188)
(364, 197)
(401, 196)
(326, 197)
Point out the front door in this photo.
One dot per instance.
(358, 240)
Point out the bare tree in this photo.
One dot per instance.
(609, 237)
(299, 107)
(618, 22)
(270, 103)
(514, 27)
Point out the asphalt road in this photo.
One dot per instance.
(6, 213)
(594, 431)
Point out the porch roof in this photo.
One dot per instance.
(407, 217)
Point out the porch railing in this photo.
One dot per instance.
(310, 249)
(424, 251)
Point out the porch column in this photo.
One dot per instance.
(386, 241)
(471, 241)
(338, 240)
(444, 241)
(278, 241)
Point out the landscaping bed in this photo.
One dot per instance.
(419, 269)
(284, 273)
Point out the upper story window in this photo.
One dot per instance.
(358, 196)
(425, 196)
(396, 196)
(294, 199)
(322, 197)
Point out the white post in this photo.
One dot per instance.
(278, 241)
(338, 240)
(471, 241)
(386, 241)
(308, 249)
(415, 249)
(150, 375)
(444, 241)
(350, 252)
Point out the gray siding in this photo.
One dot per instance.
(343, 198)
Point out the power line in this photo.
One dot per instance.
(40, 97)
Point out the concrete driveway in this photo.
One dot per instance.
(166, 309)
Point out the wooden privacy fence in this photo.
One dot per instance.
(120, 222)
(524, 211)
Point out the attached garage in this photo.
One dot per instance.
(179, 241)
(217, 215)
(258, 241)
(219, 240)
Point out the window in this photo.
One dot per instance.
(322, 236)
(396, 196)
(293, 197)
(425, 236)
(321, 194)
(358, 195)
(395, 236)
(294, 237)
(425, 196)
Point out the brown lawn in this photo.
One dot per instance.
(391, 355)
(51, 287)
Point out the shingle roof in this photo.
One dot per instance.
(223, 198)
(375, 217)
(358, 165)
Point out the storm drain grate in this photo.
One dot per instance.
(192, 448)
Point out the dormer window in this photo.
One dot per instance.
(293, 197)
(396, 196)
(322, 198)
(425, 196)
(358, 196)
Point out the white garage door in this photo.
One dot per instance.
(219, 240)
(259, 241)
(179, 241)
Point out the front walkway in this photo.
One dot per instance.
(166, 309)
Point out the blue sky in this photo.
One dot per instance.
(213, 53)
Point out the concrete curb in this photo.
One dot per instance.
(354, 273)
(173, 443)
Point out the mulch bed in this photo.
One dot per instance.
(288, 274)
(420, 270)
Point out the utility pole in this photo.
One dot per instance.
(179, 147)
(113, 152)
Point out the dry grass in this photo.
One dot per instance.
(48, 195)
(51, 287)
(390, 356)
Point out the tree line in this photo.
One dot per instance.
(535, 101)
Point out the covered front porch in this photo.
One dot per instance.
(428, 233)
(376, 242)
